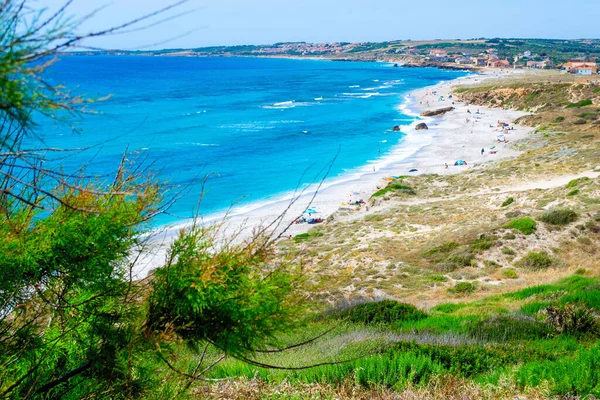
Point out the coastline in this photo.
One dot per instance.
(449, 138)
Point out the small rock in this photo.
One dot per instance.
(422, 126)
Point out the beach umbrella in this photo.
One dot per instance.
(414, 170)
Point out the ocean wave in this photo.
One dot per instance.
(197, 144)
(354, 86)
(288, 104)
(194, 113)
(318, 98)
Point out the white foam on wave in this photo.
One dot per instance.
(354, 86)
(194, 113)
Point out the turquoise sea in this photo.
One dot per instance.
(259, 127)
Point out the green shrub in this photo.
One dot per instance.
(508, 201)
(462, 288)
(438, 278)
(526, 225)
(448, 308)
(461, 258)
(305, 236)
(579, 104)
(571, 319)
(443, 248)
(483, 243)
(508, 251)
(510, 274)
(534, 307)
(395, 188)
(385, 311)
(536, 261)
(580, 122)
(573, 192)
(575, 182)
(561, 216)
(580, 271)
(558, 119)
(502, 328)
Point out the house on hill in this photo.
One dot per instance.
(498, 64)
(544, 64)
(580, 67)
(479, 61)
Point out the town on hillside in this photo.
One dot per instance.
(574, 56)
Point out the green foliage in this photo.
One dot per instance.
(395, 188)
(575, 182)
(510, 274)
(580, 122)
(575, 376)
(508, 201)
(572, 319)
(483, 243)
(536, 261)
(305, 236)
(231, 298)
(526, 225)
(385, 311)
(503, 328)
(442, 249)
(561, 216)
(579, 104)
(448, 308)
(439, 278)
(462, 288)
(508, 251)
(558, 119)
(573, 192)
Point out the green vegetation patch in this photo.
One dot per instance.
(395, 188)
(385, 311)
(525, 225)
(508, 201)
(305, 236)
(462, 288)
(561, 216)
(536, 261)
(579, 104)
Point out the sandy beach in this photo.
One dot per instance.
(458, 135)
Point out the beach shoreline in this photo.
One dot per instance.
(449, 138)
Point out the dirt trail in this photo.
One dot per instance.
(523, 187)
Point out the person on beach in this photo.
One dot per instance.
(482, 151)
(446, 164)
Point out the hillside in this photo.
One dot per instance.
(500, 263)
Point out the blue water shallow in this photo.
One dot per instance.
(259, 126)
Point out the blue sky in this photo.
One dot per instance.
(230, 22)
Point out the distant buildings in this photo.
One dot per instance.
(544, 64)
(581, 67)
(498, 63)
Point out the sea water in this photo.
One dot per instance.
(256, 128)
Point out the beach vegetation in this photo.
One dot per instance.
(385, 311)
(306, 236)
(560, 216)
(396, 189)
(525, 225)
(508, 201)
(536, 261)
(579, 104)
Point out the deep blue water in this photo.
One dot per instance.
(260, 126)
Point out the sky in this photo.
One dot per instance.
(234, 22)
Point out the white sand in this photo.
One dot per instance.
(449, 138)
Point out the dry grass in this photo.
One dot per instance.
(441, 388)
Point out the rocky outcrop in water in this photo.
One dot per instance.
(422, 126)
